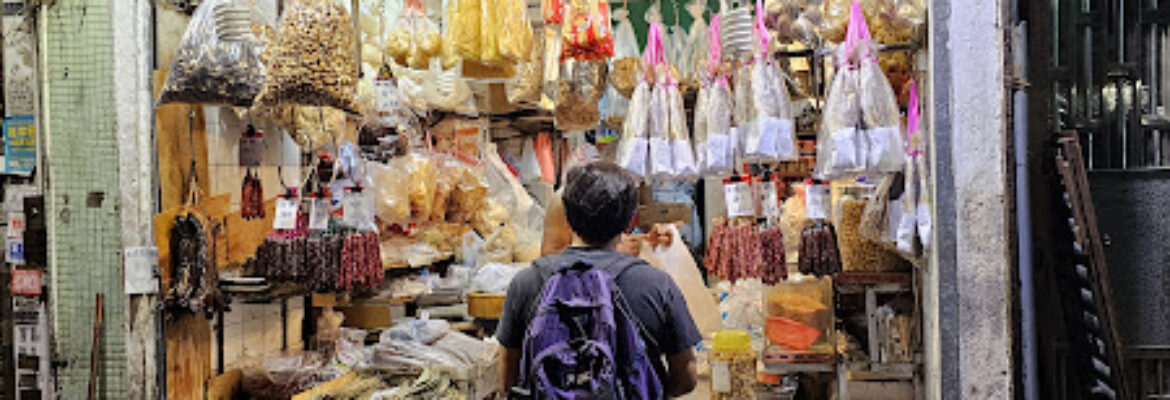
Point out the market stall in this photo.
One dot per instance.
(352, 185)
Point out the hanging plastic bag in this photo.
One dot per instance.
(391, 190)
(529, 166)
(548, 169)
(719, 150)
(694, 65)
(632, 151)
(218, 61)
(586, 31)
(516, 44)
(553, 11)
(661, 165)
(700, 128)
(626, 67)
(772, 136)
(463, 31)
(682, 154)
(842, 146)
(579, 90)
(675, 259)
(924, 207)
(884, 145)
(524, 88)
(312, 60)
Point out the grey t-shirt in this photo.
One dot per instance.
(652, 295)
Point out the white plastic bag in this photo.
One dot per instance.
(840, 146)
(886, 151)
(529, 166)
(677, 262)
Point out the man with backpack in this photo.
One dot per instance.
(591, 322)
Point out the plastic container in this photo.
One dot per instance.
(795, 309)
(733, 366)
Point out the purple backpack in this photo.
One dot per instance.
(584, 343)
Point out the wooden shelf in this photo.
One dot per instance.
(874, 278)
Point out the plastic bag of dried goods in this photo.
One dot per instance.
(772, 136)
(682, 153)
(842, 144)
(661, 165)
(524, 88)
(694, 63)
(516, 43)
(579, 91)
(311, 61)
(586, 31)
(632, 150)
(219, 59)
(885, 149)
(700, 128)
(391, 190)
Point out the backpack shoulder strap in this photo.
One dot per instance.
(620, 302)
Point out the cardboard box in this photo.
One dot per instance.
(662, 213)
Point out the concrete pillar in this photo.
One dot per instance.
(969, 336)
(134, 113)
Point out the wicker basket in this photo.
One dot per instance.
(485, 305)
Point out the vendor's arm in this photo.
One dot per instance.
(683, 371)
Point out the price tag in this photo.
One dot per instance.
(26, 282)
(319, 215)
(386, 92)
(769, 200)
(251, 151)
(356, 210)
(16, 225)
(816, 202)
(720, 377)
(739, 199)
(286, 213)
(140, 264)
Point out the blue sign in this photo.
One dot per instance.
(20, 144)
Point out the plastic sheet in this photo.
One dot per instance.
(218, 60)
(492, 278)
(311, 62)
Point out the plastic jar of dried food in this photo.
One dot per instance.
(733, 366)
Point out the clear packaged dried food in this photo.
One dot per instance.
(661, 165)
(840, 144)
(421, 172)
(632, 150)
(700, 128)
(772, 137)
(219, 58)
(682, 153)
(626, 65)
(882, 119)
(579, 90)
(720, 146)
(586, 31)
(694, 65)
(517, 42)
(312, 60)
(524, 88)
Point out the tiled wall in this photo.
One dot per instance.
(252, 331)
(281, 154)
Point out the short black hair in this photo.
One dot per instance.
(600, 201)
